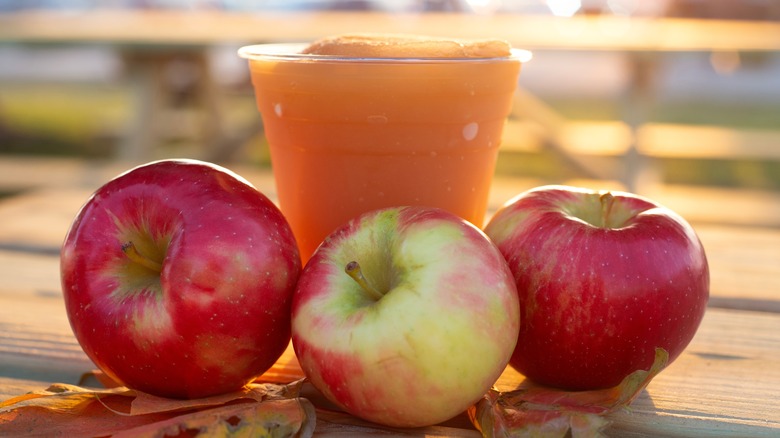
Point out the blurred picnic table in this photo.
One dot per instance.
(724, 384)
(150, 38)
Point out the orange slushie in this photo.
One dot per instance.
(349, 135)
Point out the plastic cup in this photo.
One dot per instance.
(349, 135)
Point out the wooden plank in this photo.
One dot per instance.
(20, 173)
(198, 27)
(708, 142)
(699, 205)
(24, 273)
(720, 205)
(744, 261)
(716, 378)
(53, 190)
(36, 341)
(744, 266)
(39, 220)
(12, 387)
(657, 140)
(74, 180)
(724, 384)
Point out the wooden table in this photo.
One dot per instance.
(725, 384)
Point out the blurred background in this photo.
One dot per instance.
(640, 94)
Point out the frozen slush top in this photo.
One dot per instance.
(407, 46)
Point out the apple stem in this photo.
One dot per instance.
(354, 271)
(132, 253)
(607, 200)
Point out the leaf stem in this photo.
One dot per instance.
(132, 253)
(354, 271)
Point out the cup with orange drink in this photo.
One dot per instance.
(360, 122)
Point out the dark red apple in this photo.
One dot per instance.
(178, 278)
(603, 279)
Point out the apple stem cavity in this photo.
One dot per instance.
(607, 201)
(132, 253)
(353, 270)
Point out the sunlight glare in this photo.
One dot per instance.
(484, 7)
(564, 8)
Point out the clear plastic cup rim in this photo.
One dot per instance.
(291, 52)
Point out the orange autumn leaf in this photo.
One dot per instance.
(62, 397)
(278, 418)
(146, 403)
(53, 417)
(69, 410)
(495, 418)
(546, 412)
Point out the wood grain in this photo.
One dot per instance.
(725, 384)
(744, 261)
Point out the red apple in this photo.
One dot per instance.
(178, 278)
(405, 316)
(603, 279)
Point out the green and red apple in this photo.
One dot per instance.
(603, 280)
(405, 316)
(178, 278)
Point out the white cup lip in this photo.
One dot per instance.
(291, 52)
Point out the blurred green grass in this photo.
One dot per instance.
(50, 119)
(88, 120)
(731, 114)
(83, 120)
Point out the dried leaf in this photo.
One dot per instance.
(537, 411)
(91, 419)
(68, 410)
(146, 403)
(61, 397)
(273, 418)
